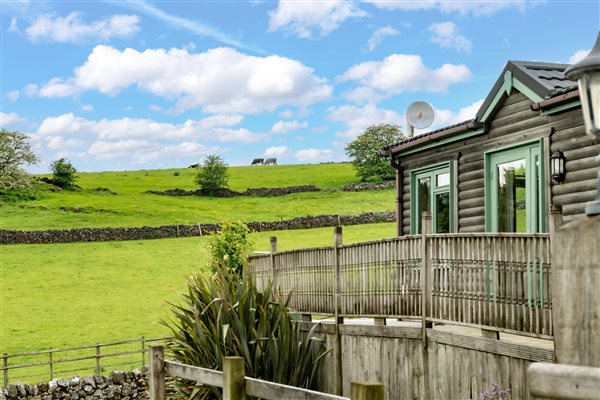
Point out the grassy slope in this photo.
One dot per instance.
(80, 293)
(132, 207)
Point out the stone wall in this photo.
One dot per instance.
(118, 385)
(174, 231)
(261, 192)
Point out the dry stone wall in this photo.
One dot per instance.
(117, 386)
(174, 231)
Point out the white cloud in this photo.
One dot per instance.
(303, 18)
(446, 117)
(578, 56)
(300, 113)
(400, 73)
(379, 35)
(71, 29)
(219, 80)
(313, 155)
(13, 25)
(446, 35)
(143, 151)
(9, 119)
(357, 119)
(13, 95)
(277, 151)
(287, 126)
(87, 108)
(215, 128)
(473, 7)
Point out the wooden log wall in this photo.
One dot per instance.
(452, 366)
(513, 123)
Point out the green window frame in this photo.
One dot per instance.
(514, 189)
(432, 189)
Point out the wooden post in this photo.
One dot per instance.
(554, 222)
(157, 373)
(233, 378)
(98, 372)
(273, 242)
(5, 368)
(143, 351)
(366, 391)
(399, 221)
(51, 365)
(426, 271)
(339, 377)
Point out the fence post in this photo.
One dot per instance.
(233, 378)
(337, 242)
(366, 391)
(157, 372)
(98, 372)
(5, 368)
(143, 351)
(51, 365)
(426, 271)
(273, 242)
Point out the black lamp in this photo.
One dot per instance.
(587, 74)
(557, 166)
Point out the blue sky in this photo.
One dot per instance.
(114, 85)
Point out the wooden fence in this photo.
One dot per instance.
(496, 281)
(236, 385)
(122, 350)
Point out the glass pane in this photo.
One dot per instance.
(442, 213)
(424, 199)
(511, 197)
(442, 180)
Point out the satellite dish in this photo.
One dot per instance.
(419, 115)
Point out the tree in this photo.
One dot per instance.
(212, 174)
(230, 247)
(15, 152)
(363, 152)
(63, 173)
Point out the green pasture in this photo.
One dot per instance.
(63, 295)
(127, 204)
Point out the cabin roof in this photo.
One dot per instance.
(541, 81)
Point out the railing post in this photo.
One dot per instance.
(233, 378)
(337, 242)
(5, 368)
(51, 365)
(273, 242)
(98, 372)
(426, 272)
(157, 372)
(366, 391)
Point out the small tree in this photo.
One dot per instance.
(15, 152)
(212, 174)
(230, 247)
(363, 152)
(63, 173)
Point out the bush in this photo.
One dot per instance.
(63, 173)
(212, 174)
(369, 166)
(228, 316)
(230, 247)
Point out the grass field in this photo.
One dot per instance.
(62, 295)
(131, 206)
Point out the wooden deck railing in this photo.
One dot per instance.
(497, 281)
(236, 385)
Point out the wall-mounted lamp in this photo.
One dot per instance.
(557, 166)
(587, 74)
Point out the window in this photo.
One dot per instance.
(431, 191)
(514, 190)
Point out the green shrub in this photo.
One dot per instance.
(212, 174)
(63, 173)
(176, 173)
(228, 316)
(230, 247)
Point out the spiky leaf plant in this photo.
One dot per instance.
(225, 315)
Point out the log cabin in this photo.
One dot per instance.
(492, 173)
